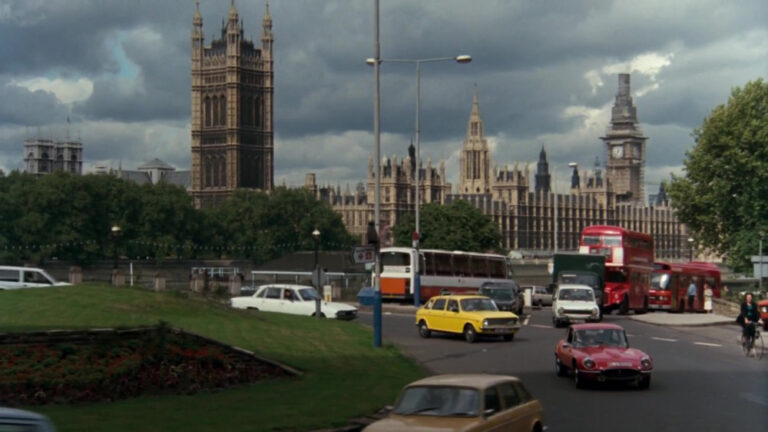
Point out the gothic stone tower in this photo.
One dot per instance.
(232, 123)
(625, 147)
(474, 174)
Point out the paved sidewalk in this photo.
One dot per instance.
(683, 319)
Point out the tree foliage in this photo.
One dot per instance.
(455, 226)
(723, 197)
(70, 217)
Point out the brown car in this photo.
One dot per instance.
(464, 402)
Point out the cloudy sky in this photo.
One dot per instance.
(546, 72)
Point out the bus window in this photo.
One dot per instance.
(660, 281)
(443, 264)
(497, 268)
(611, 240)
(590, 240)
(461, 265)
(617, 276)
(429, 264)
(391, 259)
(479, 266)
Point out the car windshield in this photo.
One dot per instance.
(499, 293)
(478, 304)
(439, 401)
(600, 337)
(572, 294)
(308, 294)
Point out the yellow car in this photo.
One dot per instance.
(464, 402)
(470, 315)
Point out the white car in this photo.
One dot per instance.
(292, 299)
(573, 302)
(12, 419)
(12, 277)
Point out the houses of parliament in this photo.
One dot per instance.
(528, 211)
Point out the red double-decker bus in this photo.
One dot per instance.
(670, 282)
(628, 265)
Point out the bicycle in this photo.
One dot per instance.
(755, 343)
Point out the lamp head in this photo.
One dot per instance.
(463, 58)
(316, 234)
(370, 61)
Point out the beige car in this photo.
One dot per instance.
(464, 402)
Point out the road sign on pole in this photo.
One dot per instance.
(364, 254)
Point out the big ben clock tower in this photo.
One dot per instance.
(625, 148)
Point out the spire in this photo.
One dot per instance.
(475, 104)
(542, 154)
(624, 111)
(197, 19)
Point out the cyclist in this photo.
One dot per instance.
(748, 317)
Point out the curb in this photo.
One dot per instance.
(357, 424)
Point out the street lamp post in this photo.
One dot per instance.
(554, 189)
(690, 249)
(316, 273)
(116, 231)
(461, 59)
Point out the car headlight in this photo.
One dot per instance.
(560, 311)
(645, 363)
(485, 323)
(595, 311)
(589, 363)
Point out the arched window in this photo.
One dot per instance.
(207, 111)
(215, 111)
(215, 164)
(208, 180)
(257, 111)
(223, 112)
(222, 171)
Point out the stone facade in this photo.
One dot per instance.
(46, 155)
(232, 111)
(527, 218)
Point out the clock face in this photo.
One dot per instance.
(617, 151)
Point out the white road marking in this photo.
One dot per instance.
(707, 344)
(754, 398)
(541, 326)
(528, 318)
(663, 339)
(387, 313)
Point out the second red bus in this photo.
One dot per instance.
(670, 282)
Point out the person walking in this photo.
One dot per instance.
(691, 295)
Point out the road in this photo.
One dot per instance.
(701, 379)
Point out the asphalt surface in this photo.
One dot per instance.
(701, 380)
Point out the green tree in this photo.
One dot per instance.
(455, 226)
(263, 226)
(723, 196)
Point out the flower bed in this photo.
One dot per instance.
(118, 365)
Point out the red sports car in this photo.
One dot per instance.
(600, 353)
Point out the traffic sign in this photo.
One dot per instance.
(364, 254)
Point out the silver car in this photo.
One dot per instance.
(540, 295)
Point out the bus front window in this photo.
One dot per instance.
(660, 281)
(590, 240)
(395, 259)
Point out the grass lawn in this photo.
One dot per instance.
(345, 376)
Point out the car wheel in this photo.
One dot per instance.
(322, 315)
(645, 307)
(577, 379)
(555, 322)
(509, 337)
(469, 333)
(559, 368)
(624, 306)
(644, 382)
(252, 308)
(424, 330)
(539, 304)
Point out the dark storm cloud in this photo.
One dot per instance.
(38, 108)
(529, 63)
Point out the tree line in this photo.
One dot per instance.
(70, 217)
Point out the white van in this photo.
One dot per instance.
(12, 277)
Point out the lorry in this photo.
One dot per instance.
(581, 269)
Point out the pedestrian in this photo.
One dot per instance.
(691, 295)
(748, 316)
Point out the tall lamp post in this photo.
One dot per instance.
(116, 231)
(690, 249)
(377, 176)
(554, 189)
(316, 273)
(461, 59)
